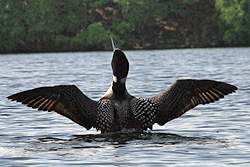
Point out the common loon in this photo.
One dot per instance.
(118, 110)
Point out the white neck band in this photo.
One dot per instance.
(115, 79)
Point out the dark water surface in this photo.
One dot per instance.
(217, 134)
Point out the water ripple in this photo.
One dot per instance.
(210, 135)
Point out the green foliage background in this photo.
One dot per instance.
(65, 25)
(234, 21)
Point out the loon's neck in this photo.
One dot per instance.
(119, 89)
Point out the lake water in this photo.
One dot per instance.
(217, 134)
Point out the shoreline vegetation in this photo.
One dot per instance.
(28, 26)
(111, 50)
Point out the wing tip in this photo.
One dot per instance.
(231, 89)
(9, 97)
(12, 97)
(235, 88)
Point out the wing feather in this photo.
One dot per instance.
(184, 95)
(66, 100)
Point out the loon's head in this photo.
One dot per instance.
(120, 67)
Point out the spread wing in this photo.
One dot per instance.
(184, 95)
(66, 100)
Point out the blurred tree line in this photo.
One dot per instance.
(65, 25)
(234, 21)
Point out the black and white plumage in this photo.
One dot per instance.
(144, 111)
(117, 110)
